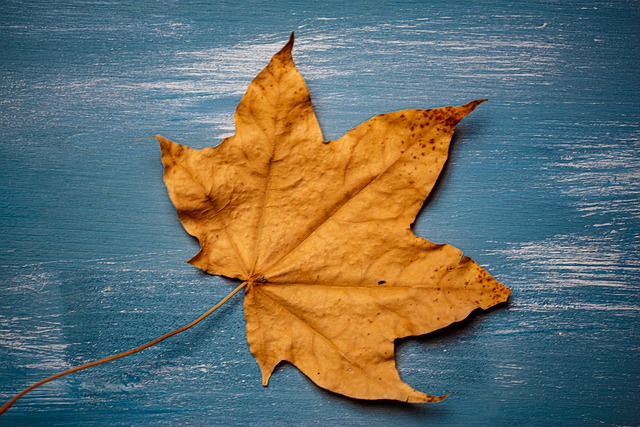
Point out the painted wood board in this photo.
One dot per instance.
(542, 188)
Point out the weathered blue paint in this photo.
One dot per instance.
(542, 188)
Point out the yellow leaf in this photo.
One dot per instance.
(320, 233)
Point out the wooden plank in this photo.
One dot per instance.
(542, 188)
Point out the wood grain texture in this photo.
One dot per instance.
(541, 188)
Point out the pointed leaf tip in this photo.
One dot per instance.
(474, 104)
(463, 111)
(432, 399)
(164, 142)
(470, 106)
(289, 46)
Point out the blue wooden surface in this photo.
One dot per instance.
(542, 188)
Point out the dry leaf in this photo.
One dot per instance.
(320, 233)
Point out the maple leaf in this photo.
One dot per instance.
(319, 233)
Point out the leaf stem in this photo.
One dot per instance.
(15, 398)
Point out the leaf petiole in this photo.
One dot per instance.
(15, 398)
